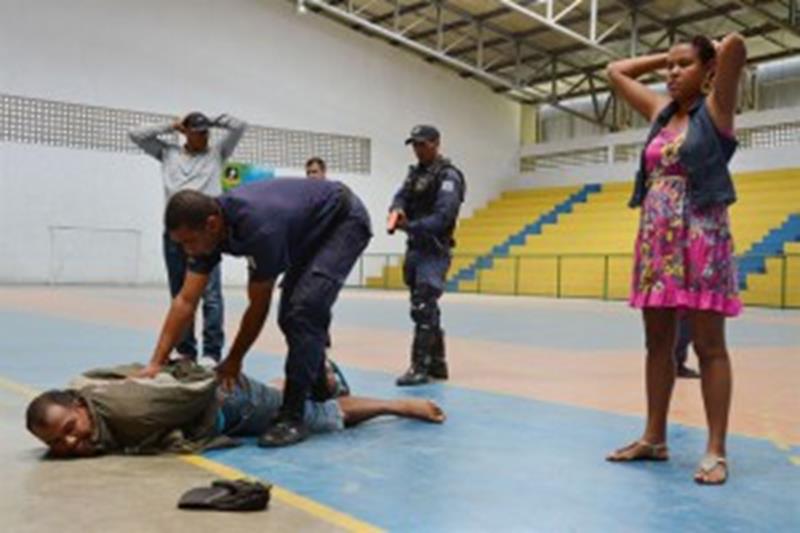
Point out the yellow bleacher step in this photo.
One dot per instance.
(490, 226)
(596, 241)
(604, 225)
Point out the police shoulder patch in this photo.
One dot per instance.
(448, 186)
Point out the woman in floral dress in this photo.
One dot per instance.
(684, 260)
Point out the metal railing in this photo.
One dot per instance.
(595, 276)
(769, 129)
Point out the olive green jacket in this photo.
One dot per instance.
(174, 412)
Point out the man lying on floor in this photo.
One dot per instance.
(183, 410)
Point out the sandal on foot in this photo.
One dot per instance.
(707, 465)
(647, 452)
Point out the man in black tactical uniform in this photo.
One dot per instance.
(426, 208)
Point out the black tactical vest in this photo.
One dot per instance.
(421, 188)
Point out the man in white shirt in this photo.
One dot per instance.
(195, 165)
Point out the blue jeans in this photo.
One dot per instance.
(213, 308)
(249, 411)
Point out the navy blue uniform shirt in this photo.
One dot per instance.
(276, 224)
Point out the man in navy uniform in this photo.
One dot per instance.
(313, 232)
(426, 209)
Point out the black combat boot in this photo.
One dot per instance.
(421, 352)
(438, 366)
(289, 427)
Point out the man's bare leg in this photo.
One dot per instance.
(358, 409)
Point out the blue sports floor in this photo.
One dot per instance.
(522, 457)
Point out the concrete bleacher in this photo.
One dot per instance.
(578, 241)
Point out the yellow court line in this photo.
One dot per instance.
(318, 510)
(18, 388)
(777, 439)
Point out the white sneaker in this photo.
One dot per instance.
(207, 362)
(178, 357)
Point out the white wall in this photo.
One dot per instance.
(255, 59)
(744, 160)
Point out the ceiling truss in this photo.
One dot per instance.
(546, 51)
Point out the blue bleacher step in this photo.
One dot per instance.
(753, 261)
(486, 262)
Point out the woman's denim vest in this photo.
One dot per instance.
(704, 154)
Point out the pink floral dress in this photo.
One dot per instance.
(683, 255)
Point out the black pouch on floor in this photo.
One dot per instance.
(224, 495)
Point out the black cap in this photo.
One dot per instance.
(423, 133)
(196, 121)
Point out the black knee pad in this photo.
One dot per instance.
(425, 306)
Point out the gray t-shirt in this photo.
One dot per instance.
(183, 170)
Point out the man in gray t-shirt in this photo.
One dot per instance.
(195, 165)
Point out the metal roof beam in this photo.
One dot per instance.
(618, 35)
(744, 25)
(760, 10)
(498, 83)
(538, 51)
(764, 29)
(551, 21)
(751, 61)
(400, 11)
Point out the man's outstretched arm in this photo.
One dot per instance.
(260, 296)
(180, 315)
